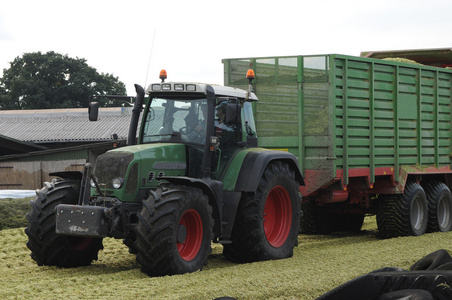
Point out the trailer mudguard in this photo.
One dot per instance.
(254, 164)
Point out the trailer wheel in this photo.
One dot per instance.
(352, 222)
(439, 207)
(314, 221)
(174, 231)
(309, 223)
(48, 248)
(267, 222)
(403, 215)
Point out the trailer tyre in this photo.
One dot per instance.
(267, 222)
(314, 221)
(309, 220)
(351, 222)
(403, 215)
(439, 200)
(174, 231)
(48, 248)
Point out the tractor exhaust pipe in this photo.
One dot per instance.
(137, 107)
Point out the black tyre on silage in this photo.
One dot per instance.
(48, 248)
(174, 231)
(403, 215)
(432, 261)
(267, 222)
(439, 200)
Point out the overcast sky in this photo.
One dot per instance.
(190, 38)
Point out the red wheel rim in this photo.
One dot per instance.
(78, 243)
(189, 248)
(277, 216)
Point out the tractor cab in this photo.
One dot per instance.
(207, 119)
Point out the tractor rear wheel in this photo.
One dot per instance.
(267, 222)
(48, 248)
(403, 215)
(174, 231)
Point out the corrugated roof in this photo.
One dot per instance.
(64, 125)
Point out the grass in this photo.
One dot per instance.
(13, 211)
(320, 263)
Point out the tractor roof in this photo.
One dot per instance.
(188, 87)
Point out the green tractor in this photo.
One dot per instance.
(194, 175)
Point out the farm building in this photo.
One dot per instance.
(34, 143)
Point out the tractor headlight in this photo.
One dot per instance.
(118, 183)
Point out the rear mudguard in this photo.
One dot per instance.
(243, 175)
(254, 164)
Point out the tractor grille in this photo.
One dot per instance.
(111, 165)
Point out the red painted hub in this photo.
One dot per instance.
(189, 247)
(277, 216)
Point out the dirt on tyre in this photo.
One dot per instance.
(48, 248)
(439, 200)
(403, 215)
(267, 222)
(174, 231)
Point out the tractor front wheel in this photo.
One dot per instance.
(267, 222)
(174, 231)
(48, 248)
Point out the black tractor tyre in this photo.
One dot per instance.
(432, 261)
(267, 222)
(408, 294)
(439, 200)
(403, 215)
(48, 248)
(174, 231)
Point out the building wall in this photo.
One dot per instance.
(30, 175)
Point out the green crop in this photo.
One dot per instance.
(13, 211)
(319, 263)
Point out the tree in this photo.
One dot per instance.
(53, 80)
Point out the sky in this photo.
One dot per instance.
(135, 39)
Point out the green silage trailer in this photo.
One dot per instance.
(371, 137)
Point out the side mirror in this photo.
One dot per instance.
(93, 111)
(232, 113)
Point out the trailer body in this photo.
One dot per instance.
(359, 126)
